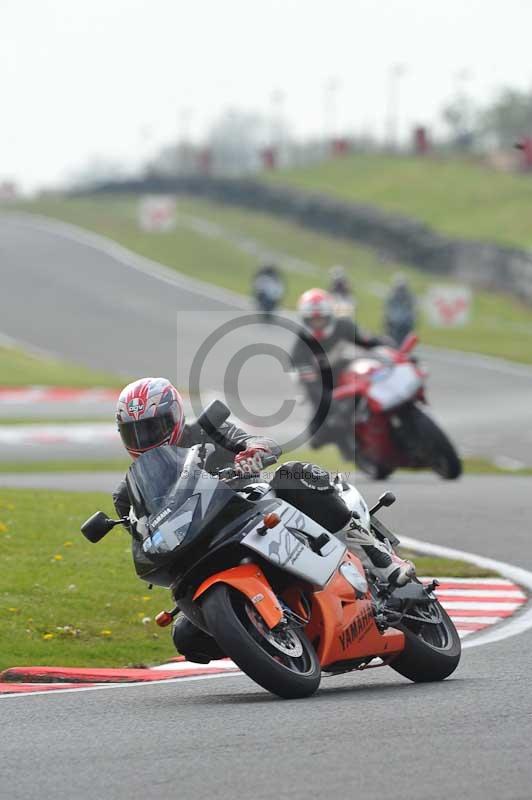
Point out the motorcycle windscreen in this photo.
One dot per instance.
(392, 386)
(167, 486)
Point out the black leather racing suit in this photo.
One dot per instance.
(319, 364)
(228, 440)
(306, 486)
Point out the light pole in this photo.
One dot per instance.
(330, 107)
(395, 73)
(277, 113)
(184, 118)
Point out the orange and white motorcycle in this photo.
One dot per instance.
(281, 596)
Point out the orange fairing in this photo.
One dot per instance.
(343, 626)
(250, 580)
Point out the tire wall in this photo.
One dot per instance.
(395, 237)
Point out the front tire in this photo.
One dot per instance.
(435, 447)
(432, 652)
(241, 633)
(374, 470)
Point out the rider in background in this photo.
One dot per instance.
(324, 347)
(268, 288)
(400, 310)
(150, 413)
(341, 292)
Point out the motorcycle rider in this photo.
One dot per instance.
(400, 310)
(150, 414)
(324, 347)
(268, 288)
(339, 284)
(340, 291)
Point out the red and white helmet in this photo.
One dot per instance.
(316, 310)
(149, 413)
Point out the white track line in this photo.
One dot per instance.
(520, 622)
(99, 687)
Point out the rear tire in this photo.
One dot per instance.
(436, 448)
(241, 634)
(434, 660)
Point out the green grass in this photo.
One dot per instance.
(328, 457)
(66, 465)
(53, 420)
(66, 602)
(500, 326)
(431, 567)
(456, 197)
(18, 368)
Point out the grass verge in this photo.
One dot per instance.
(327, 457)
(67, 602)
(499, 326)
(19, 368)
(454, 196)
(65, 465)
(446, 567)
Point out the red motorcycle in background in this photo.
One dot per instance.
(391, 429)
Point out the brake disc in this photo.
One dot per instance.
(284, 639)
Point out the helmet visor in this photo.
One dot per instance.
(146, 433)
(317, 322)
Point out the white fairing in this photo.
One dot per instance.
(355, 502)
(392, 386)
(290, 552)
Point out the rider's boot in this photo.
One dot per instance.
(193, 643)
(376, 556)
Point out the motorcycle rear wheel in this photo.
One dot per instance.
(432, 651)
(291, 672)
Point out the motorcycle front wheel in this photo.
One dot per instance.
(283, 662)
(432, 645)
(374, 470)
(433, 444)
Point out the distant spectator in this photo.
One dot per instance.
(400, 310)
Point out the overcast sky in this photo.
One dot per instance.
(89, 78)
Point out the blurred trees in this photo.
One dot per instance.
(508, 118)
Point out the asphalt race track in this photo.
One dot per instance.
(365, 734)
(371, 734)
(110, 310)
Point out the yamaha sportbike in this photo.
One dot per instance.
(381, 402)
(281, 596)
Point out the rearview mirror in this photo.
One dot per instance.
(213, 416)
(385, 500)
(98, 526)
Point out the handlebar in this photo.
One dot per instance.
(230, 473)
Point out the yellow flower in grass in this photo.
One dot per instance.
(67, 544)
(106, 632)
(146, 597)
(3, 527)
(48, 635)
(13, 609)
(58, 557)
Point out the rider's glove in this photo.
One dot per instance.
(250, 461)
